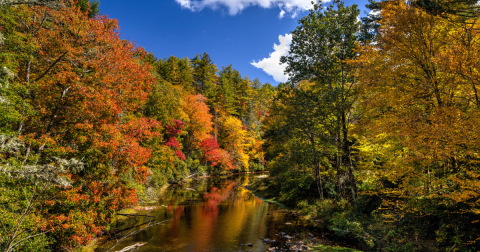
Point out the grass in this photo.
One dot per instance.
(322, 248)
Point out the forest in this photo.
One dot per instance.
(375, 135)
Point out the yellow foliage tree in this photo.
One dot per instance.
(419, 87)
(234, 138)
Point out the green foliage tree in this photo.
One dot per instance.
(320, 47)
(204, 74)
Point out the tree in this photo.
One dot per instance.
(226, 94)
(91, 7)
(198, 123)
(210, 150)
(233, 138)
(204, 72)
(419, 92)
(177, 72)
(320, 47)
(79, 89)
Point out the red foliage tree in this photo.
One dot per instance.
(210, 152)
(173, 131)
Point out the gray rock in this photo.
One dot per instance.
(250, 245)
(266, 240)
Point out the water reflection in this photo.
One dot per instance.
(216, 214)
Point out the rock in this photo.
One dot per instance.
(250, 245)
(266, 240)
(310, 234)
(282, 233)
(241, 244)
(273, 241)
(288, 223)
(268, 213)
(288, 237)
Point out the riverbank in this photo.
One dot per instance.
(231, 174)
(326, 242)
(358, 225)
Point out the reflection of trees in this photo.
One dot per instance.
(213, 198)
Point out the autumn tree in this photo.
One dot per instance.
(419, 93)
(198, 123)
(75, 76)
(233, 138)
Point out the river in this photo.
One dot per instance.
(212, 214)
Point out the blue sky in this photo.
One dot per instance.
(237, 32)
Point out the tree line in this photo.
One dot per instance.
(91, 124)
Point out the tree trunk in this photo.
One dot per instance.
(346, 149)
(319, 180)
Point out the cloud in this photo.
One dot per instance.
(375, 12)
(292, 7)
(271, 65)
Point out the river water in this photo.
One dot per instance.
(212, 214)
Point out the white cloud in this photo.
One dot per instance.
(292, 7)
(271, 65)
(375, 12)
(282, 13)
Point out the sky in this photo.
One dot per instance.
(251, 35)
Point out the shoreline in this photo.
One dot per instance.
(232, 174)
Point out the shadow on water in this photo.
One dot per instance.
(213, 214)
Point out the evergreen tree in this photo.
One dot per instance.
(204, 73)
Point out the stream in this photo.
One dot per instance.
(211, 214)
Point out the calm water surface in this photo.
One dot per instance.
(213, 214)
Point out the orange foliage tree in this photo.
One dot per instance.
(199, 123)
(84, 86)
